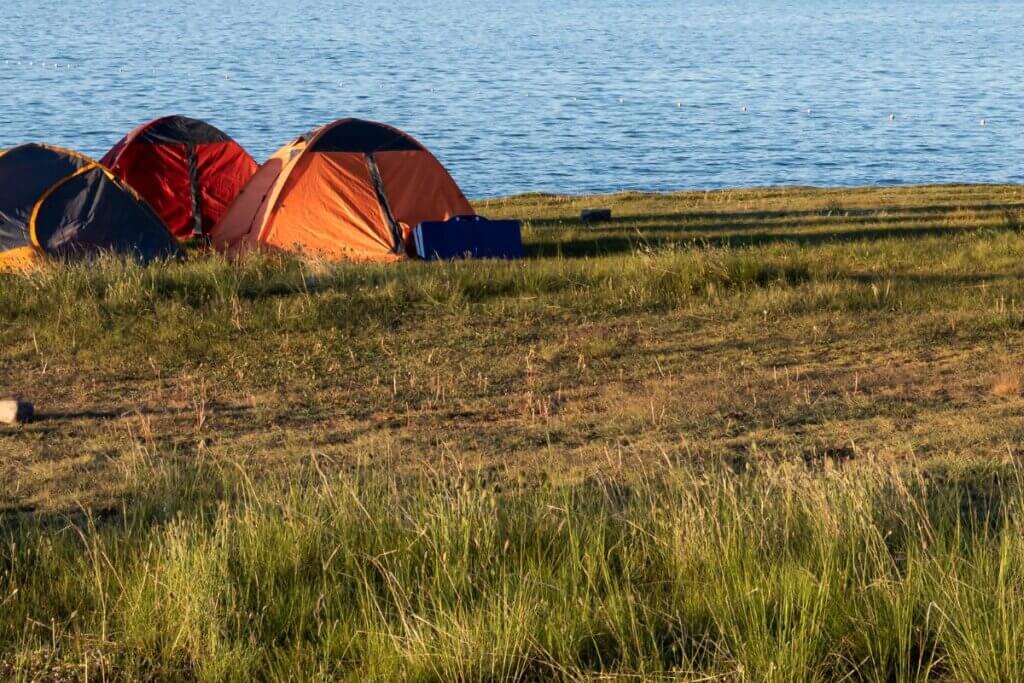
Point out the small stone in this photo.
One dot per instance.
(15, 412)
(595, 215)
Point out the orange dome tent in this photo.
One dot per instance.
(352, 189)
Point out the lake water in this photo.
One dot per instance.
(567, 96)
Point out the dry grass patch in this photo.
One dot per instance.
(1008, 381)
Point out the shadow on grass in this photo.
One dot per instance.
(607, 245)
(837, 212)
(97, 414)
(835, 222)
(916, 279)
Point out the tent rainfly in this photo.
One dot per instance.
(352, 189)
(59, 203)
(186, 169)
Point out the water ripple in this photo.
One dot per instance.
(575, 96)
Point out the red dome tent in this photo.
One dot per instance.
(187, 170)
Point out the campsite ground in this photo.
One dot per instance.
(752, 324)
(859, 339)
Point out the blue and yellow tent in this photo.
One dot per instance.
(58, 203)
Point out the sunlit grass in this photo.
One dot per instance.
(770, 574)
(754, 435)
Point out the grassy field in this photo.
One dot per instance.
(746, 435)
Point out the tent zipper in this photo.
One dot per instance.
(382, 199)
(193, 179)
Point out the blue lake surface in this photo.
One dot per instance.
(571, 96)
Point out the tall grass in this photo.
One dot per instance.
(688, 573)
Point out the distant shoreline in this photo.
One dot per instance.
(754, 190)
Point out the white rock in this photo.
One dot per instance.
(14, 412)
